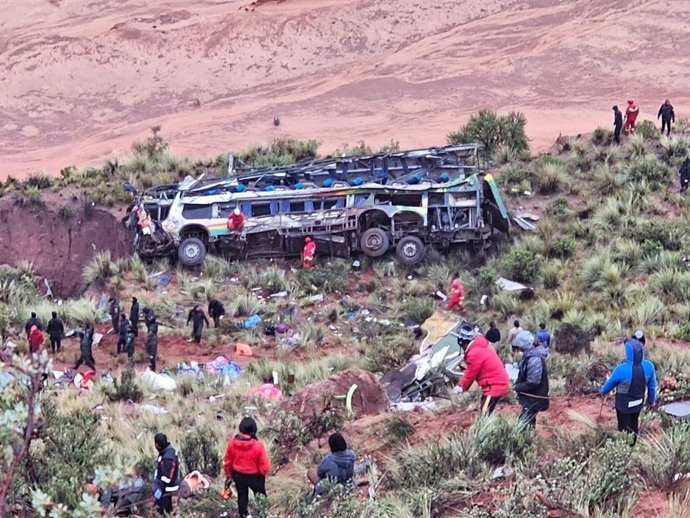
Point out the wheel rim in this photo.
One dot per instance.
(192, 251)
(409, 250)
(374, 242)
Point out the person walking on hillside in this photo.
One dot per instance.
(198, 318)
(56, 330)
(247, 464)
(152, 341)
(543, 336)
(336, 467)
(684, 172)
(667, 115)
(114, 312)
(532, 384)
(124, 331)
(493, 335)
(309, 253)
(483, 366)
(33, 321)
(86, 348)
(515, 330)
(632, 379)
(456, 296)
(617, 124)
(631, 113)
(35, 339)
(216, 311)
(134, 316)
(166, 475)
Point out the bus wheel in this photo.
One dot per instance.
(191, 251)
(410, 250)
(374, 242)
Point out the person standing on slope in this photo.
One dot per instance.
(152, 340)
(56, 330)
(309, 253)
(631, 113)
(532, 384)
(617, 124)
(684, 172)
(457, 296)
(86, 348)
(114, 312)
(216, 311)
(667, 115)
(166, 475)
(198, 318)
(632, 379)
(483, 366)
(35, 339)
(134, 316)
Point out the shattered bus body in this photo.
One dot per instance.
(371, 218)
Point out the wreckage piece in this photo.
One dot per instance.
(678, 409)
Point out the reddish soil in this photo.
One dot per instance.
(81, 80)
(369, 399)
(59, 248)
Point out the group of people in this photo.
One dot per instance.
(127, 330)
(634, 380)
(628, 122)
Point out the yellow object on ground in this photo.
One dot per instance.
(437, 326)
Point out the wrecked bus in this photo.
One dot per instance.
(191, 221)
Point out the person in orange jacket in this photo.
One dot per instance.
(483, 366)
(247, 464)
(457, 296)
(35, 339)
(309, 252)
(631, 113)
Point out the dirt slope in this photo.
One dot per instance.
(81, 80)
(58, 247)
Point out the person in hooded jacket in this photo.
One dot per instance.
(532, 383)
(543, 335)
(456, 296)
(216, 310)
(114, 313)
(124, 330)
(166, 475)
(667, 115)
(631, 113)
(152, 340)
(56, 330)
(617, 124)
(86, 348)
(198, 318)
(247, 464)
(485, 367)
(684, 173)
(632, 379)
(134, 316)
(35, 339)
(336, 467)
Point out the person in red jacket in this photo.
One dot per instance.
(483, 366)
(35, 339)
(309, 252)
(457, 296)
(631, 114)
(247, 464)
(236, 221)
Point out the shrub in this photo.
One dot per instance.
(648, 168)
(100, 269)
(416, 309)
(602, 136)
(126, 389)
(499, 440)
(551, 177)
(520, 265)
(329, 277)
(571, 339)
(398, 428)
(40, 181)
(563, 248)
(551, 275)
(492, 130)
(389, 351)
(199, 451)
(647, 129)
(281, 152)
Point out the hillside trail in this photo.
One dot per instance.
(82, 80)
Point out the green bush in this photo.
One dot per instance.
(520, 265)
(492, 130)
(602, 136)
(499, 440)
(199, 451)
(563, 248)
(647, 129)
(126, 389)
(416, 309)
(389, 351)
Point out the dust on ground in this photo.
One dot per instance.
(82, 80)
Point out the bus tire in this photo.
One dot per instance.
(374, 242)
(191, 251)
(410, 250)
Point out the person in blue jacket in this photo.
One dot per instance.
(543, 336)
(337, 467)
(632, 379)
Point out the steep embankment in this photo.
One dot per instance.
(82, 80)
(59, 245)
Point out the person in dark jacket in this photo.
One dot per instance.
(125, 339)
(543, 335)
(134, 316)
(33, 321)
(216, 310)
(152, 341)
(56, 330)
(149, 316)
(166, 475)
(667, 115)
(684, 172)
(532, 384)
(197, 317)
(246, 463)
(86, 348)
(632, 379)
(114, 312)
(493, 335)
(617, 124)
(337, 467)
